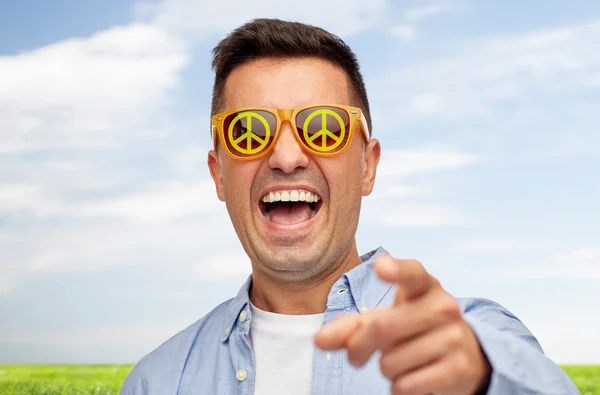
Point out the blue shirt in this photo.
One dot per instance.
(213, 355)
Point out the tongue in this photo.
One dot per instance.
(289, 213)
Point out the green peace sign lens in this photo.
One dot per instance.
(248, 133)
(323, 129)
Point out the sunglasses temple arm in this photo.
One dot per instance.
(365, 129)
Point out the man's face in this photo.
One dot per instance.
(294, 241)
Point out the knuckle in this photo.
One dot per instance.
(461, 365)
(413, 261)
(380, 327)
(447, 306)
(416, 266)
(419, 267)
(402, 387)
(454, 336)
(386, 364)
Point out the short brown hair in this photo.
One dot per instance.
(263, 37)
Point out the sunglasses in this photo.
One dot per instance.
(323, 130)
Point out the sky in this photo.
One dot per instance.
(112, 238)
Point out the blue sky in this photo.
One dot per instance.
(111, 236)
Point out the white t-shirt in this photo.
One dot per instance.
(283, 351)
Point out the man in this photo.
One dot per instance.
(293, 156)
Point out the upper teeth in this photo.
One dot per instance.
(290, 196)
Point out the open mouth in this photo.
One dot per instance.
(290, 207)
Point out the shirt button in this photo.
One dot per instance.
(364, 309)
(241, 375)
(243, 316)
(227, 332)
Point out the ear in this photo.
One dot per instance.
(371, 161)
(216, 172)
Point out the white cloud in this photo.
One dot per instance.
(24, 177)
(16, 197)
(92, 91)
(393, 190)
(406, 32)
(161, 201)
(587, 255)
(477, 245)
(578, 329)
(51, 250)
(94, 336)
(401, 215)
(494, 69)
(190, 161)
(157, 202)
(574, 142)
(421, 160)
(421, 12)
(106, 90)
(583, 263)
(201, 18)
(413, 15)
(101, 343)
(113, 243)
(4, 288)
(386, 206)
(232, 262)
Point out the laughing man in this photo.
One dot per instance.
(293, 157)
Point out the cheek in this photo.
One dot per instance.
(344, 179)
(237, 180)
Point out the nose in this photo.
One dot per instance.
(288, 155)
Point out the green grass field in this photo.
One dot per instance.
(107, 379)
(587, 378)
(62, 379)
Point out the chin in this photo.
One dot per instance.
(291, 258)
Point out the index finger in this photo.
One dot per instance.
(409, 274)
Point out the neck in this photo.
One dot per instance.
(306, 297)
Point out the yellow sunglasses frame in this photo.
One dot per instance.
(289, 115)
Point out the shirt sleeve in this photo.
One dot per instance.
(134, 384)
(518, 363)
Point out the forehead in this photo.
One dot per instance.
(286, 83)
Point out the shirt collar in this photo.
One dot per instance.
(367, 290)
